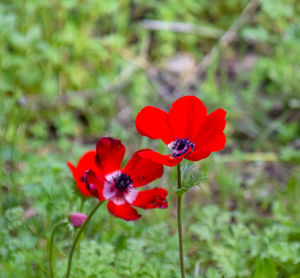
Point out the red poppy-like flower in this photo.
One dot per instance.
(118, 185)
(186, 129)
(86, 162)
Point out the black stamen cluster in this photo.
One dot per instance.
(122, 182)
(181, 146)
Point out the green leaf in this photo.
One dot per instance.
(212, 273)
(191, 175)
(265, 268)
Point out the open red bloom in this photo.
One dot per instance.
(86, 162)
(111, 182)
(187, 130)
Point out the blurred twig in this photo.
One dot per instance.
(34, 103)
(181, 27)
(251, 157)
(225, 40)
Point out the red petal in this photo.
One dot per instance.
(86, 162)
(186, 116)
(153, 122)
(94, 185)
(119, 207)
(197, 155)
(167, 160)
(152, 198)
(210, 136)
(142, 170)
(110, 153)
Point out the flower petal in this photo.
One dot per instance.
(110, 153)
(210, 136)
(94, 185)
(86, 162)
(109, 190)
(153, 122)
(120, 208)
(198, 154)
(167, 160)
(152, 198)
(142, 170)
(130, 194)
(186, 116)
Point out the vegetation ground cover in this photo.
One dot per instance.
(72, 72)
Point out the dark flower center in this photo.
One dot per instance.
(121, 182)
(181, 147)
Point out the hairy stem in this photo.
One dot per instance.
(80, 210)
(78, 235)
(51, 246)
(180, 241)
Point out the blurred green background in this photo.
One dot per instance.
(73, 71)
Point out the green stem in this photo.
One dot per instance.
(179, 225)
(80, 210)
(82, 204)
(51, 246)
(78, 235)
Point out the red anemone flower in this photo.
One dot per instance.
(86, 162)
(118, 186)
(186, 129)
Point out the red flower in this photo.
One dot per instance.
(86, 162)
(117, 185)
(187, 130)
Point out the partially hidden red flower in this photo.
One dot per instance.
(77, 219)
(86, 162)
(118, 186)
(186, 129)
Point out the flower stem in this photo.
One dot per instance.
(51, 246)
(179, 225)
(81, 209)
(78, 235)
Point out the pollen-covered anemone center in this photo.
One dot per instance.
(181, 147)
(121, 182)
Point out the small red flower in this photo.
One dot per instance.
(118, 186)
(186, 129)
(86, 162)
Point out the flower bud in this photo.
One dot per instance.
(77, 219)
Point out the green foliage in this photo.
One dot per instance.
(265, 268)
(191, 176)
(138, 259)
(227, 241)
